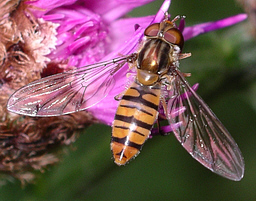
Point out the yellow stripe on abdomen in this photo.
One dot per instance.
(134, 120)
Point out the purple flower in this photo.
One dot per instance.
(90, 31)
(106, 114)
(45, 37)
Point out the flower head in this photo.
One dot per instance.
(41, 38)
(106, 114)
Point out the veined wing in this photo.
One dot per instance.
(201, 133)
(66, 92)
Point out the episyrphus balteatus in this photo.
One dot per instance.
(158, 81)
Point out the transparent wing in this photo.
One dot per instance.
(66, 92)
(201, 133)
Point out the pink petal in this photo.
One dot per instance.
(47, 5)
(198, 29)
(113, 9)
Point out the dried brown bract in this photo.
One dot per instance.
(28, 144)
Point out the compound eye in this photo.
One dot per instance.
(174, 36)
(152, 30)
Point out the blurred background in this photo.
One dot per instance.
(224, 64)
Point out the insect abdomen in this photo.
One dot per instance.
(135, 116)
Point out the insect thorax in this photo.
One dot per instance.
(155, 59)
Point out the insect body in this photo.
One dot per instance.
(138, 109)
(158, 82)
(134, 119)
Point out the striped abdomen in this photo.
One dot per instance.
(135, 116)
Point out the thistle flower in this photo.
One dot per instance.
(41, 38)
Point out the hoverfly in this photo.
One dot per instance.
(158, 81)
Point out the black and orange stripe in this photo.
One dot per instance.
(134, 119)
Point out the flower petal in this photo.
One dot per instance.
(122, 30)
(198, 29)
(160, 14)
(47, 5)
(113, 9)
